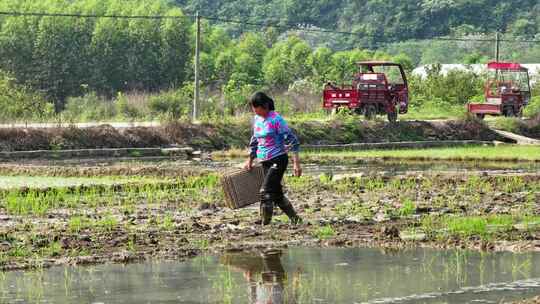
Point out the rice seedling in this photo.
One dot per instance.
(130, 246)
(513, 184)
(373, 184)
(54, 249)
(408, 208)
(167, 223)
(78, 223)
(510, 153)
(107, 223)
(324, 232)
(355, 208)
(19, 251)
(201, 244)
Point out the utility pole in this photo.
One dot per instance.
(497, 53)
(197, 60)
(497, 46)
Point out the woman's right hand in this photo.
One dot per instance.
(249, 164)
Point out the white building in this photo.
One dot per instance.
(534, 69)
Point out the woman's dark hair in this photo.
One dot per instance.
(260, 99)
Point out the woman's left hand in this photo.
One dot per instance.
(297, 170)
(296, 165)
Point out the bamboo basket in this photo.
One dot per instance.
(241, 187)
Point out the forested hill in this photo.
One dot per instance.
(386, 20)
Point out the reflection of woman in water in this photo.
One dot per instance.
(265, 275)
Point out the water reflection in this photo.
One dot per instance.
(296, 275)
(265, 275)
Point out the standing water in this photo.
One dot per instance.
(297, 275)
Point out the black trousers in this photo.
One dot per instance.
(272, 190)
(274, 169)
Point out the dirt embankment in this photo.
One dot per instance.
(531, 128)
(234, 135)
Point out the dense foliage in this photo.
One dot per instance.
(394, 26)
(18, 101)
(388, 21)
(63, 56)
(94, 68)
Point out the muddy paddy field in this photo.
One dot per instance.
(58, 215)
(428, 225)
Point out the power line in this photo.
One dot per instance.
(356, 34)
(275, 24)
(461, 39)
(518, 41)
(278, 25)
(296, 27)
(35, 14)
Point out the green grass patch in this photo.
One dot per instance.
(430, 111)
(509, 124)
(531, 219)
(353, 208)
(167, 223)
(19, 251)
(407, 209)
(504, 152)
(324, 232)
(17, 181)
(78, 223)
(185, 192)
(468, 226)
(54, 249)
(201, 244)
(108, 223)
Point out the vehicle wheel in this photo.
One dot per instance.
(481, 116)
(392, 116)
(519, 114)
(370, 112)
(510, 112)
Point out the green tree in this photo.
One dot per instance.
(320, 63)
(453, 88)
(345, 65)
(60, 56)
(20, 103)
(286, 62)
(251, 49)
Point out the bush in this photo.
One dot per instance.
(533, 108)
(455, 88)
(172, 104)
(89, 107)
(19, 103)
(237, 94)
(126, 109)
(436, 108)
(305, 95)
(509, 124)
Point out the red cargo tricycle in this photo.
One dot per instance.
(378, 88)
(507, 91)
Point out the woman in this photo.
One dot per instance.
(270, 143)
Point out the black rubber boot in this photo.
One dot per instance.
(273, 271)
(285, 205)
(267, 208)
